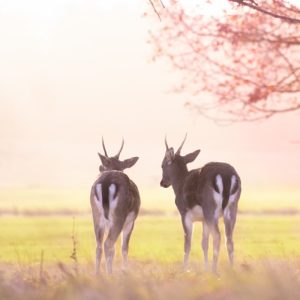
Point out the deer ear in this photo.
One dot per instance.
(104, 160)
(128, 163)
(191, 156)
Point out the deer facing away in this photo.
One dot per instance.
(204, 195)
(115, 203)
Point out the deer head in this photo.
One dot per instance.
(113, 162)
(174, 165)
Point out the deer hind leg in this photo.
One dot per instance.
(127, 230)
(188, 231)
(229, 221)
(109, 245)
(205, 240)
(99, 237)
(214, 228)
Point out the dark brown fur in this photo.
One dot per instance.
(203, 194)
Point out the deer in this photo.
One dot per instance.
(205, 194)
(115, 204)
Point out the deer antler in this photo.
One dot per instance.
(104, 149)
(166, 143)
(180, 147)
(118, 155)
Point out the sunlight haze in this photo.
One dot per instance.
(74, 71)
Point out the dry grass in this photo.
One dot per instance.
(268, 280)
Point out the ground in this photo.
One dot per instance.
(52, 258)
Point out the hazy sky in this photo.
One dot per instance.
(72, 71)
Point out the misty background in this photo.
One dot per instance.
(74, 71)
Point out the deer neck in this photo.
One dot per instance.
(178, 181)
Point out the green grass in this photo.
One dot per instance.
(267, 261)
(154, 239)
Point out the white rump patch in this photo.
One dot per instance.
(99, 191)
(113, 201)
(98, 199)
(218, 197)
(112, 190)
(233, 197)
(233, 183)
(219, 183)
(103, 222)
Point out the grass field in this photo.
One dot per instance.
(36, 263)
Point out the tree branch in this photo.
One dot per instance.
(253, 5)
(155, 10)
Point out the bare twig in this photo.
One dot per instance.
(162, 4)
(73, 255)
(155, 10)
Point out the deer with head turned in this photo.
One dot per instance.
(115, 203)
(205, 195)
